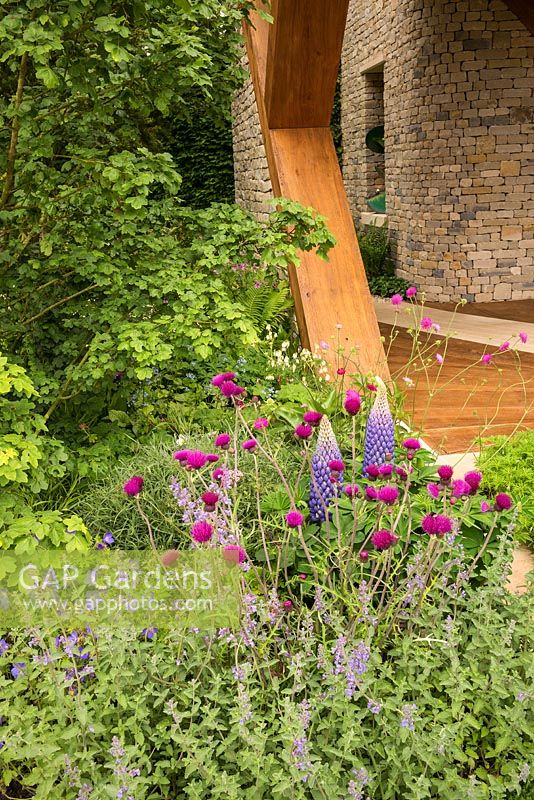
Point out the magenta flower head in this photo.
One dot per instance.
(384, 470)
(445, 473)
(426, 324)
(322, 490)
(402, 474)
(312, 418)
(260, 423)
(353, 402)
(486, 358)
(503, 502)
(383, 540)
(341, 371)
(210, 500)
(202, 531)
(133, 486)
(249, 444)
(234, 548)
(294, 519)
(371, 493)
(230, 389)
(336, 465)
(388, 495)
(411, 291)
(218, 380)
(460, 488)
(436, 524)
(351, 490)
(396, 299)
(181, 455)
(287, 605)
(379, 433)
(218, 473)
(212, 458)
(196, 459)
(433, 490)
(364, 555)
(222, 441)
(485, 506)
(412, 444)
(504, 347)
(474, 479)
(523, 336)
(303, 431)
(372, 471)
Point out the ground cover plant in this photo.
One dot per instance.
(506, 464)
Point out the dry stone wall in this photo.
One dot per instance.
(459, 139)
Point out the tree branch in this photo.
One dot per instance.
(15, 126)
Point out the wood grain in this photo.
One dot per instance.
(304, 52)
(467, 400)
(303, 166)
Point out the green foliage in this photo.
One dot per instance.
(29, 463)
(507, 466)
(273, 714)
(375, 248)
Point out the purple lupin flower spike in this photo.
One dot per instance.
(380, 431)
(322, 489)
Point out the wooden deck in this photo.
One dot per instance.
(456, 407)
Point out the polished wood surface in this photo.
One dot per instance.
(465, 401)
(303, 61)
(332, 300)
(524, 10)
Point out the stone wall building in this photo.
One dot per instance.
(453, 83)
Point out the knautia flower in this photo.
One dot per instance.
(231, 389)
(371, 493)
(460, 488)
(133, 486)
(195, 459)
(210, 500)
(396, 299)
(383, 540)
(235, 548)
(218, 380)
(411, 444)
(504, 347)
(202, 531)
(312, 418)
(260, 423)
(249, 444)
(445, 473)
(426, 324)
(294, 519)
(373, 471)
(303, 431)
(486, 358)
(388, 495)
(474, 479)
(411, 291)
(353, 402)
(181, 455)
(380, 430)
(503, 502)
(436, 524)
(433, 490)
(222, 440)
(322, 490)
(523, 336)
(351, 490)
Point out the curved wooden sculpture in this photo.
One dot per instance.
(294, 64)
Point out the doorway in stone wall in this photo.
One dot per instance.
(374, 172)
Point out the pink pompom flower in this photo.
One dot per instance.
(445, 473)
(385, 470)
(231, 389)
(341, 371)
(133, 486)
(212, 458)
(460, 488)
(363, 556)
(181, 455)
(351, 490)
(474, 479)
(294, 519)
(485, 506)
(388, 495)
(411, 291)
(486, 358)
(336, 465)
(303, 431)
(218, 380)
(436, 524)
(218, 473)
(523, 336)
(260, 423)
(372, 471)
(504, 347)
(235, 548)
(249, 444)
(426, 324)
(353, 402)
(201, 531)
(210, 500)
(196, 459)
(312, 418)
(222, 441)
(396, 299)
(412, 444)
(383, 540)
(433, 490)
(503, 502)
(439, 359)
(371, 493)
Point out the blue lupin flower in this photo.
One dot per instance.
(322, 489)
(380, 431)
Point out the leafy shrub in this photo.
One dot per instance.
(380, 268)
(507, 464)
(29, 462)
